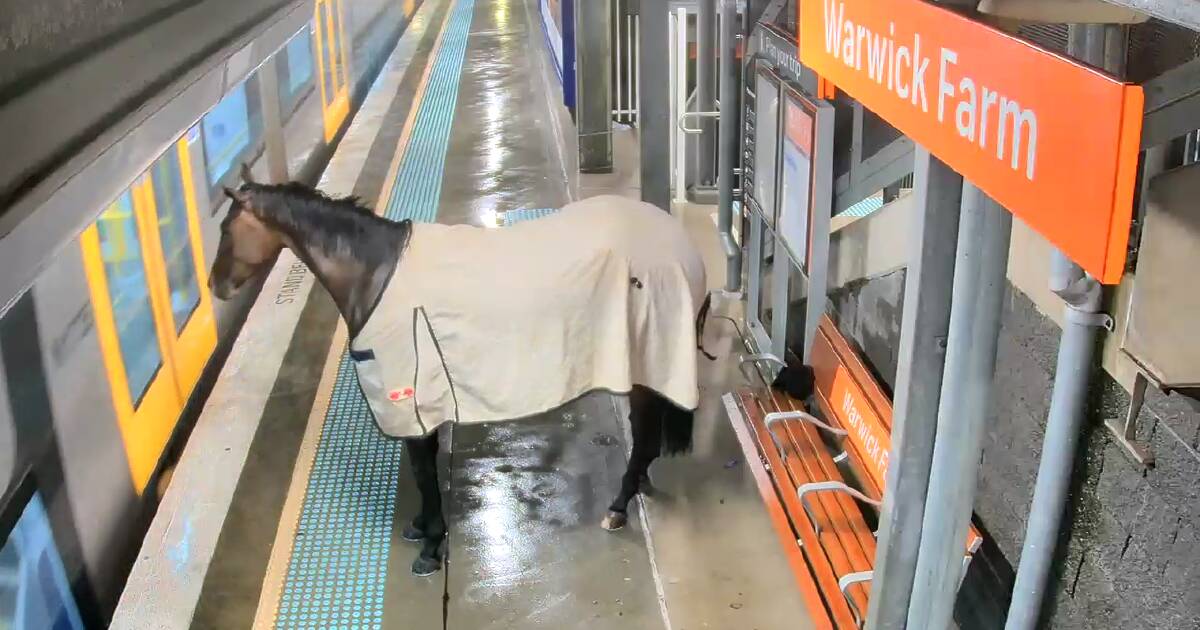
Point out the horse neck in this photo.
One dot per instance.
(356, 274)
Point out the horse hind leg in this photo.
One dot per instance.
(429, 527)
(645, 420)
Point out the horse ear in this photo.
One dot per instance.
(240, 198)
(247, 177)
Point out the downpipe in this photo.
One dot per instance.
(1082, 318)
(727, 143)
(1082, 296)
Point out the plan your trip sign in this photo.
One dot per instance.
(1053, 141)
(779, 49)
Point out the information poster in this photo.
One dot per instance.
(766, 132)
(796, 188)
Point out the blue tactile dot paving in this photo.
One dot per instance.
(338, 567)
(525, 214)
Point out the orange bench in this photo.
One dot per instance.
(849, 395)
(801, 482)
(830, 533)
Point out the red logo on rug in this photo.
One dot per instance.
(397, 395)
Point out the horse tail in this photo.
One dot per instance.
(676, 429)
(701, 320)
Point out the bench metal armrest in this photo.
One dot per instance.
(848, 580)
(780, 416)
(838, 486)
(966, 563)
(755, 359)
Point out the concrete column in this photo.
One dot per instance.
(654, 103)
(593, 85)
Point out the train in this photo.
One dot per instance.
(108, 348)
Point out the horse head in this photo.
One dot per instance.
(248, 245)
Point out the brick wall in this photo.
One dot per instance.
(1129, 555)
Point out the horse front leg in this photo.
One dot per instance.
(645, 420)
(429, 527)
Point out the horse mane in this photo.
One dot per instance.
(337, 225)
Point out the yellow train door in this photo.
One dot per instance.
(333, 63)
(153, 313)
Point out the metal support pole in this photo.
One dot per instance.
(922, 354)
(706, 54)
(1068, 402)
(654, 103)
(980, 279)
(274, 149)
(593, 86)
(679, 94)
(729, 156)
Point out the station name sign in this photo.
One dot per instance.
(1053, 141)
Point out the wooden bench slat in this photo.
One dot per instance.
(844, 535)
(823, 572)
(781, 523)
(866, 537)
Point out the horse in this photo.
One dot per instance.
(471, 324)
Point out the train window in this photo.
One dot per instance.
(124, 267)
(226, 133)
(295, 71)
(178, 258)
(35, 592)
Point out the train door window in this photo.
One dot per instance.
(35, 591)
(178, 273)
(172, 213)
(125, 272)
(122, 260)
(333, 63)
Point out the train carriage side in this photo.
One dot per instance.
(100, 357)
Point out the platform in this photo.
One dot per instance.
(285, 508)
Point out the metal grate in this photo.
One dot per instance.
(1154, 46)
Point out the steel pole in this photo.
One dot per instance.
(922, 354)
(706, 54)
(654, 102)
(980, 279)
(728, 128)
(593, 86)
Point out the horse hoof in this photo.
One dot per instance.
(412, 533)
(424, 567)
(614, 521)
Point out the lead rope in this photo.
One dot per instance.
(701, 321)
(446, 541)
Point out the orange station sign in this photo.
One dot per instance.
(1053, 141)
